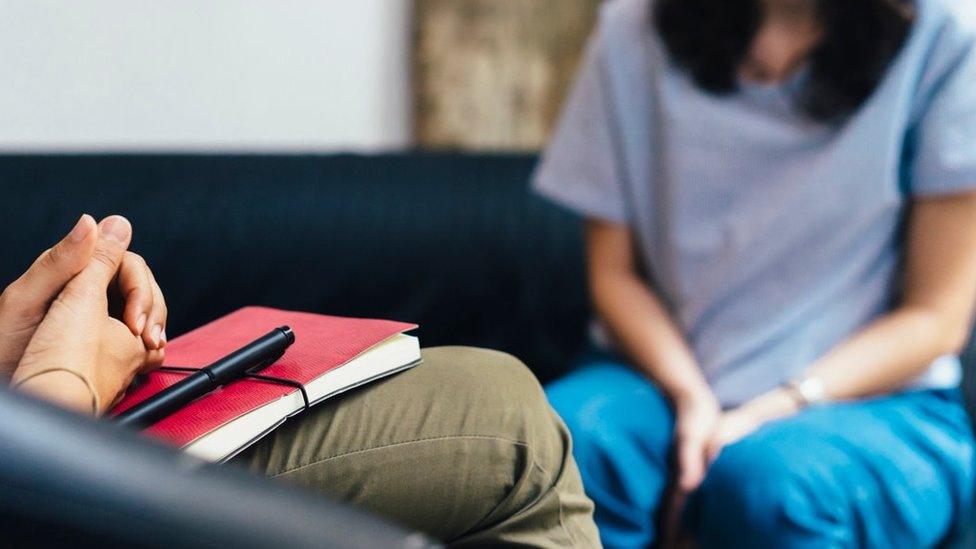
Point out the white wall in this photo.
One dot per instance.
(235, 75)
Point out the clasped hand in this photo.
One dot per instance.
(702, 429)
(86, 316)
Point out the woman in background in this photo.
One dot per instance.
(781, 243)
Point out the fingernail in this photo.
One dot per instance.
(116, 227)
(81, 229)
(141, 322)
(156, 331)
(162, 338)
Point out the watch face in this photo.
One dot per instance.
(812, 390)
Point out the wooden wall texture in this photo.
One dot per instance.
(492, 74)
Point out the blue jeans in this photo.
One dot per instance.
(896, 471)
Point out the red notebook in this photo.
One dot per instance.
(330, 355)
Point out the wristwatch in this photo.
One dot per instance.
(808, 391)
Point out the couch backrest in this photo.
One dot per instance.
(66, 481)
(453, 242)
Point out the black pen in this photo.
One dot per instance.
(250, 358)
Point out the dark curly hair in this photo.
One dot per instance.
(710, 39)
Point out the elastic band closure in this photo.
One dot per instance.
(283, 381)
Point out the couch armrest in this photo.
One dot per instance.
(69, 481)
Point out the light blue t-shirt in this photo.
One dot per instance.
(771, 237)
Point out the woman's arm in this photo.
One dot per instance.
(635, 315)
(642, 326)
(932, 319)
(934, 314)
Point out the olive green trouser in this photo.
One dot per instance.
(464, 447)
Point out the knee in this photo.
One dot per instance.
(466, 371)
(524, 453)
(753, 494)
(491, 389)
(478, 364)
(608, 416)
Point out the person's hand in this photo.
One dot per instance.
(78, 333)
(695, 419)
(732, 426)
(738, 423)
(143, 306)
(25, 301)
(702, 430)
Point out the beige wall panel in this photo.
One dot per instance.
(492, 74)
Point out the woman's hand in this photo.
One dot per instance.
(25, 301)
(696, 418)
(738, 423)
(701, 431)
(77, 333)
(732, 427)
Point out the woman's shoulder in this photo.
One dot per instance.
(626, 8)
(943, 43)
(947, 20)
(626, 17)
(625, 28)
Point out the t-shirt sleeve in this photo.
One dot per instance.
(579, 168)
(943, 139)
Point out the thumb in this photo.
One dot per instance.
(114, 236)
(56, 266)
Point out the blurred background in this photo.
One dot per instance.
(361, 158)
(286, 75)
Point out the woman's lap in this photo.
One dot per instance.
(892, 471)
(889, 472)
